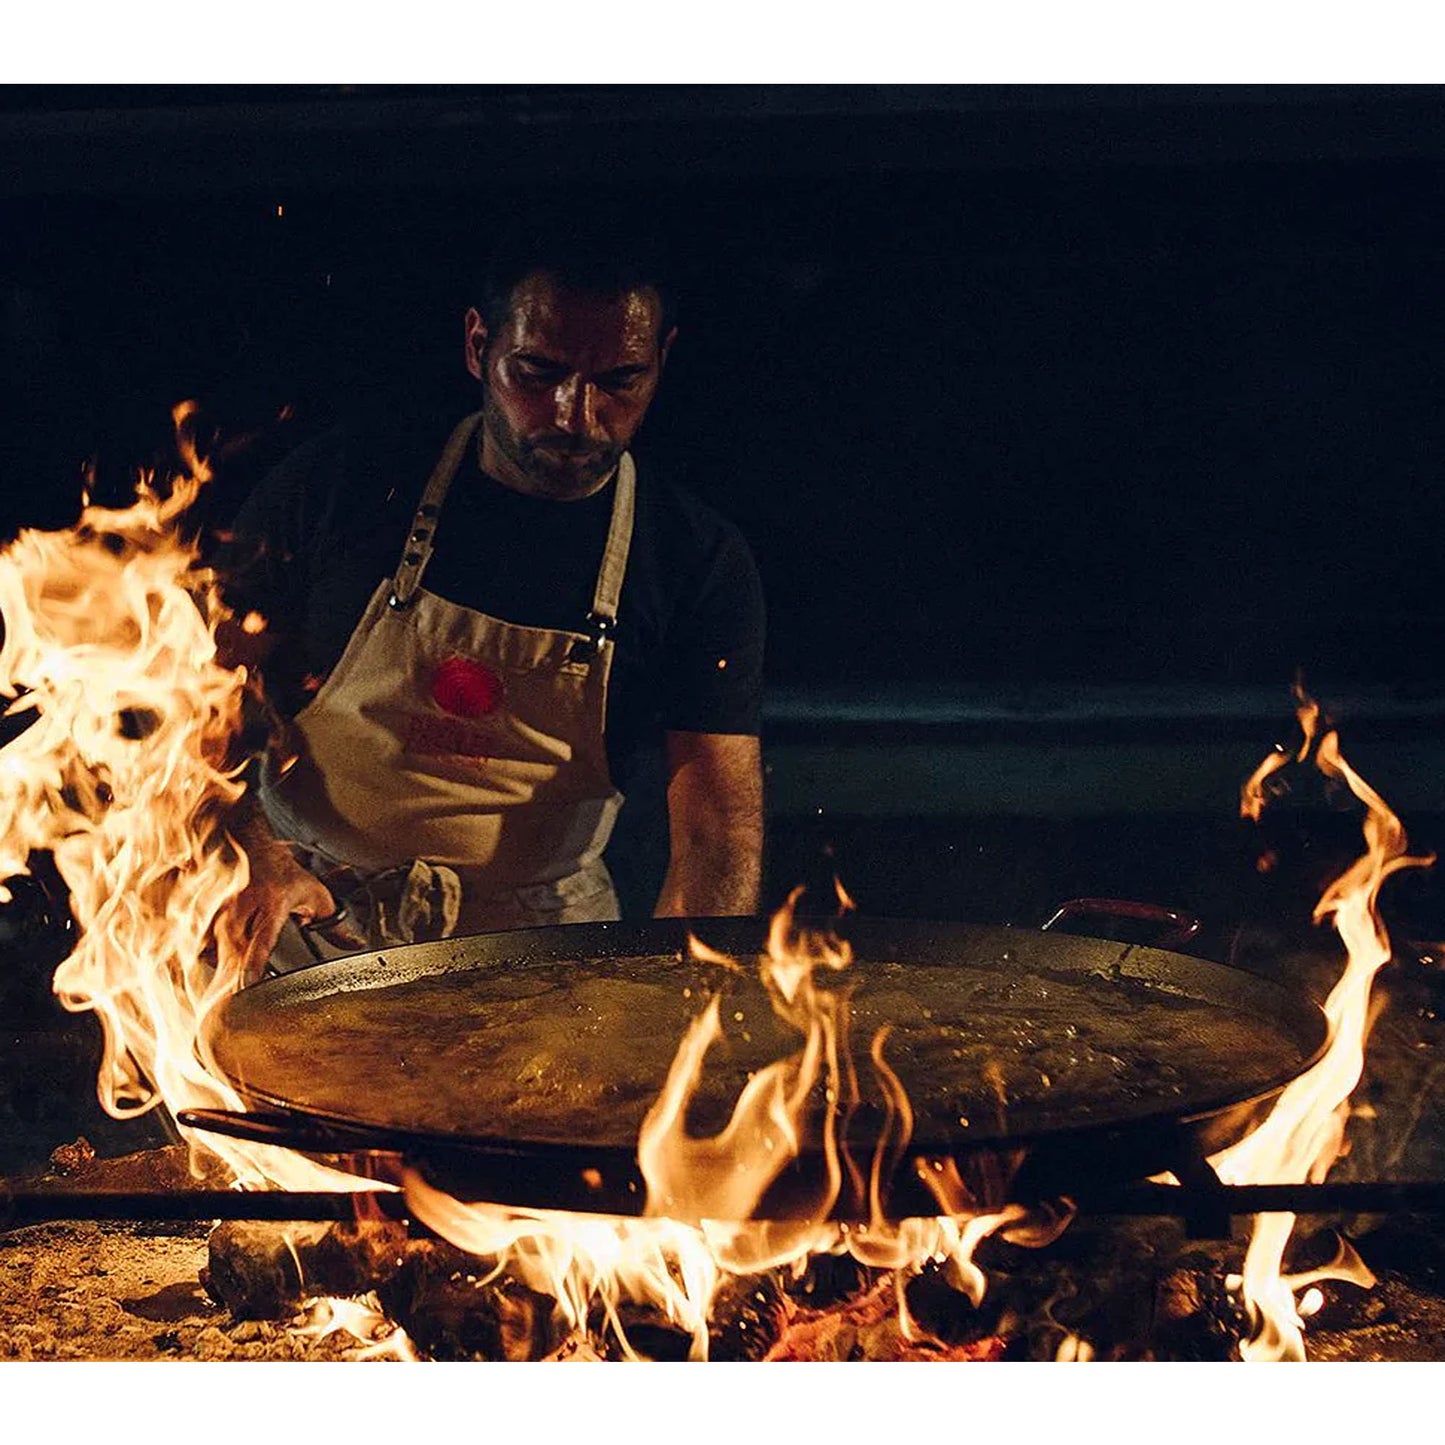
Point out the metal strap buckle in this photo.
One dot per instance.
(598, 628)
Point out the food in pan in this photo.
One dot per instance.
(562, 1051)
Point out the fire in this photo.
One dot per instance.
(364, 1320)
(699, 1224)
(124, 775)
(702, 1192)
(1304, 1133)
(591, 1265)
(1256, 793)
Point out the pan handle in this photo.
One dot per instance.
(1176, 928)
(284, 1130)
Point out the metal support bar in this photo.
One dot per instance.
(1205, 1211)
(1215, 1204)
(1208, 1209)
(47, 1207)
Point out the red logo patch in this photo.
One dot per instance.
(465, 688)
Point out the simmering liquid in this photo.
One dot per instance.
(576, 1051)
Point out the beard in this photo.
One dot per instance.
(554, 465)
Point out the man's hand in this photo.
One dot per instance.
(715, 823)
(279, 888)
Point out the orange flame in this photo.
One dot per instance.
(1255, 794)
(361, 1318)
(703, 1193)
(124, 775)
(584, 1262)
(1304, 1133)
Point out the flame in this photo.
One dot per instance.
(725, 1177)
(1256, 793)
(588, 1264)
(124, 775)
(699, 1224)
(1304, 1132)
(361, 1318)
(1073, 1349)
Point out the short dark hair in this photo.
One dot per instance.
(601, 249)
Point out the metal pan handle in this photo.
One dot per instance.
(1176, 928)
(284, 1130)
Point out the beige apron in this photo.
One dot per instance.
(431, 812)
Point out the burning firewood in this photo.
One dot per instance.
(869, 1328)
(1195, 1316)
(454, 1308)
(266, 1271)
(748, 1317)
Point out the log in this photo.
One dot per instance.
(442, 1297)
(264, 1271)
(949, 1315)
(749, 1316)
(1195, 1317)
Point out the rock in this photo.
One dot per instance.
(72, 1158)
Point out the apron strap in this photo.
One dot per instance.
(603, 617)
(406, 581)
(422, 537)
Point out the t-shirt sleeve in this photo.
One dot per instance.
(713, 669)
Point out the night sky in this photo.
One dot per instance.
(1003, 387)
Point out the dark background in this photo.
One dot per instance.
(1011, 388)
(1004, 384)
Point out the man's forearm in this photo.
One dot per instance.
(715, 825)
(713, 878)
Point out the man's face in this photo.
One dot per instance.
(569, 376)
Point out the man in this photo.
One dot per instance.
(473, 661)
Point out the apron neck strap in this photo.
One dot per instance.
(422, 537)
(603, 617)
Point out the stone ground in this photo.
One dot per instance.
(88, 1292)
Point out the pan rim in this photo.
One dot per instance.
(1303, 1021)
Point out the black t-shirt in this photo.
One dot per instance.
(310, 544)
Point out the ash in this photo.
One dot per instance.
(119, 1292)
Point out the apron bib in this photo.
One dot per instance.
(451, 774)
